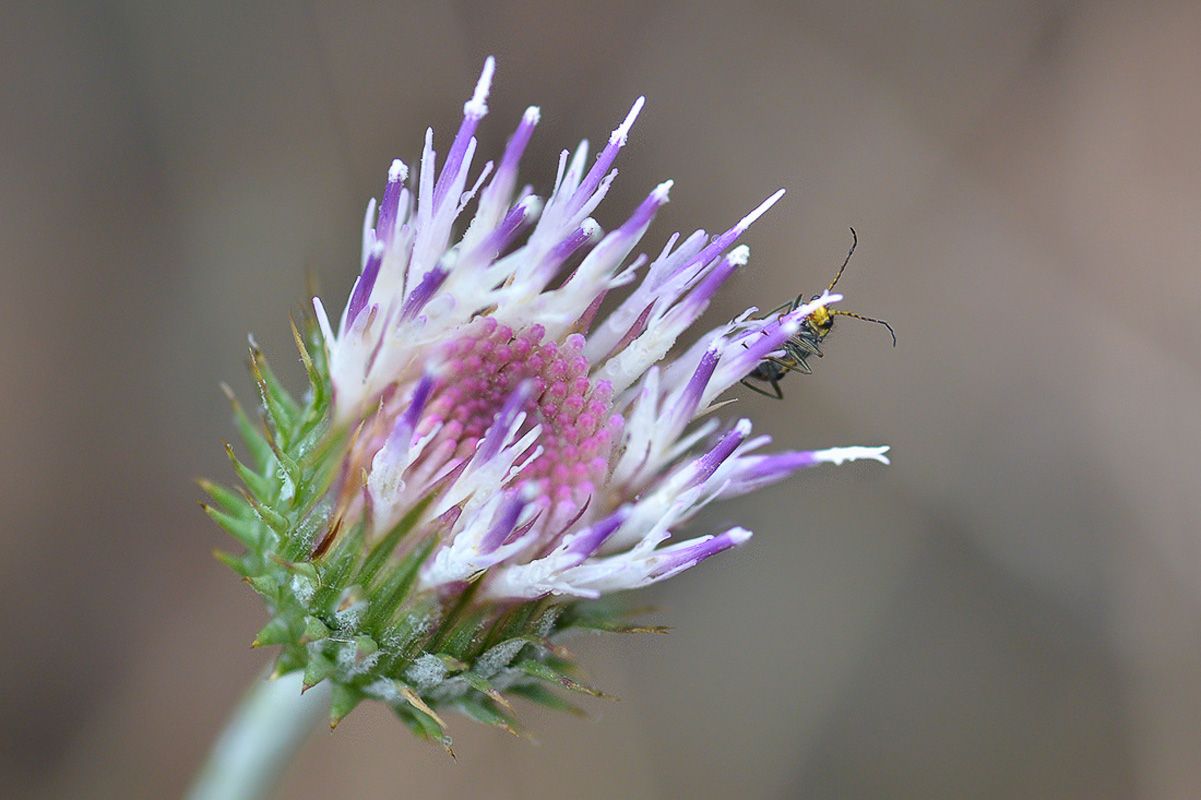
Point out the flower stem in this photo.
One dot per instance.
(258, 742)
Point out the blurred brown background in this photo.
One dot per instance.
(1013, 609)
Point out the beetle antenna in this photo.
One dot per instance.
(868, 319)
(854, 243)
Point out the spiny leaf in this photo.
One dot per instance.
(558, 651)
(485, 713)
(280, 406)
(272, 382)
(481, 684)
(236, 563)
(387, 545)
(392, 591)
(541, 671)
(412, 698)
(314, 630)
(316, 379)
(453, 665)
(232, 502)
(540, 694)
(515, 622)
(278, 631)
(341, 702)
(298, 545)
(247, 531)
(290, 468)
(459, 628)
(364, 646)
(330, 535)
(289, 660)
(335, 570)
(256, 442)
(318, 669)
(424, 727)
(613, 626)
(258, 486)
(302, 568)
(276, 521)
(266, 584)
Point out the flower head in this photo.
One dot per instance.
(481, 447)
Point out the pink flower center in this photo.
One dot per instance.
(481, 371)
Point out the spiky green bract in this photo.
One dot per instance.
(344, 609)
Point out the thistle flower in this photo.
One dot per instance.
(481, 450)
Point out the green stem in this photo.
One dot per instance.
(258, 742)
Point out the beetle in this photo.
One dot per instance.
(806, 342)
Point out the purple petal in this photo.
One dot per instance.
(759, 471)
(400, 438)
(724, 240)
(634, 332)
(642, 216)
(500, 427)
(687, 554)
(422, 293)
(617, 140)
(588, 541)
(698, 299)
(707, 464)
(690, 398)
(563, 250)
(364, 285)
(421, 395)
(510, 225)
(516, 146)
(473, 111)
(746, 352)
(506, 520)
(389, 207)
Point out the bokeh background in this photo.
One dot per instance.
(1012, 609)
